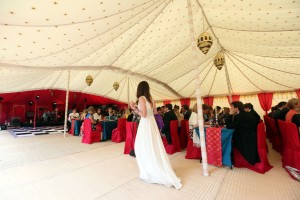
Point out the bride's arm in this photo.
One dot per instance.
(143, 110)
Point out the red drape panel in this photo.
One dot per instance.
(298, 93)
(165, 102)
(265, 100)
(234, 98)
(208, 101)
(186, 101)
(19, 111)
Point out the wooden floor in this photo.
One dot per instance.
(53, 167)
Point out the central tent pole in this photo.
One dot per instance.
(198, 91)
(67, 103)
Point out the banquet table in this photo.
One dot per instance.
(218, 145)
(108, 127)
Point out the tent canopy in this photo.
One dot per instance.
(148, 40)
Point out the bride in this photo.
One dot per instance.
(151, 156)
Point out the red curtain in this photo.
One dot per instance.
(19, 111)
(165, 102)
(186, 101)
(234, 98)
(208, 101)
(265, 100)
(298, 93)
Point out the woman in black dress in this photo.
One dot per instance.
(245, 134)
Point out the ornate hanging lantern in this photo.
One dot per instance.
(204, 42)
(89, 80)
(219, 60)
(116, 86)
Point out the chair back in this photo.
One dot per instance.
(131, 130)
(291, 151)
(87, 126)
(184, 134)
(275, 136)
(174, 135)
(122, 124)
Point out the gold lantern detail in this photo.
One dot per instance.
(116, 86)
(89, 80)
(204, 42)
(219, 60)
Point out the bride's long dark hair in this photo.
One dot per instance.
(143, 89)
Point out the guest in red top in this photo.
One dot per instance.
(292, 104)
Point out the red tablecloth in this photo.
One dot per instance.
(214, 146)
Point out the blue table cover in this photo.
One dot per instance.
(77, 124)
(108, 127)
(226, 138)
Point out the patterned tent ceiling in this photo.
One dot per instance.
(130, 41)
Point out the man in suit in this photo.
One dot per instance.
(186, 112)
(248, 107)
(168, 116)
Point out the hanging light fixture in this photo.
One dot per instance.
(116, 85)
(204, 42)
(219, 60)
(89, 80)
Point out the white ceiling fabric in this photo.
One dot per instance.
(131, 41)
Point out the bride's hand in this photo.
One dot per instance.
(132, 105)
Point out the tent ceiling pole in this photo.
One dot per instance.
(198, 91)
(67, 103)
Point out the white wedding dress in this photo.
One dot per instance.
(151, 156)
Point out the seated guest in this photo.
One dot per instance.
(163, 110)
(193, 123)
(97, 115)
(83, 114)
(73, 115)
(168, 116)
(248, 107)
(281, 111)
(296, 120)
(111, 114)
(130, 116)
(224, 115)
(273, 111)
(90, 115)
(205, 111)
(218, 110)
(186, 112)
(245, 135)
(292, 104)
(178, 115)
(82, 117)
(159, 111)
(110, 111)
(103, 117)
(211, 113)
